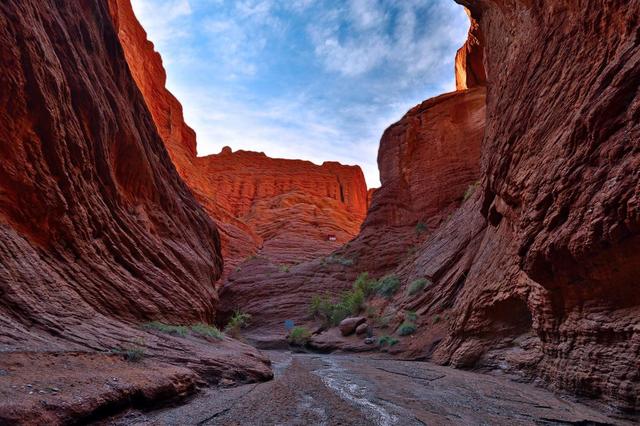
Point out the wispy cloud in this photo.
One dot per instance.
(311, 79)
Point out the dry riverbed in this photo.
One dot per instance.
(311, 389)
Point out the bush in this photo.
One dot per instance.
(387, 341)
(417, 286)
(133, 353)
(238, 321)
(334, 258)
(406, 329)
(410, 316)
(207, 330)
(321, 306)
(383, 321)
(420, 228)
(175, 330)
(350, 303)
(388, 286)
(283, 268)
(436, 319)
(299, 336)
(470, 190)
(366, 284)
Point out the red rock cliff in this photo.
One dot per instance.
(243, 191)
(536, 272)
(98, 233)
(427, 161)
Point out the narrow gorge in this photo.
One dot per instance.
(504, 238)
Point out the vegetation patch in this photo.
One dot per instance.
(388, 286)
(350, 302)
(174, 330)
(470, 190)
(207, 330)
(421, 228)
(238, 321)
(407, 328)
(334, 258)
(299, 336)
(133, 353)
(417, 286)
(283, 268)
(365, 284)
(389, 341)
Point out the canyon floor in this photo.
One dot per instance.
(316, 389)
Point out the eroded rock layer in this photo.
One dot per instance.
(427, 161)
(98, 233)
(248, 194)
(536, 272)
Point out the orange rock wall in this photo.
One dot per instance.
(233, 185)
(92, 205)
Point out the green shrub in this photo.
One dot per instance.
(321, 306)
(417, 286)
(410, 316)
(388, 286)
(383, 321)
(334, 258)
(387, 341)
(132, 353)
(175, 330)
(420, 228)
(350, 303)
(366, 284)
(283, 268)
(207, 330)
(470, 190)
(238, 321)
(299, 336)
(406, 329)
(436, 319)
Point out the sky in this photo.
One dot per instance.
(317, 80)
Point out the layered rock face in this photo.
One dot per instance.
(427, 161)
(97, 231)
(561, 177)
(536, 272)
(248, 194)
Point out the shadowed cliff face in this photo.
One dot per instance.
(98, 233)
(93, 214)
(248, 194)
(536, 272)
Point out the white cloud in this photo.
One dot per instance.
(159, 18)
(374, 59)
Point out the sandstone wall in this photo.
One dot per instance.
(98, 233)
(243, 191)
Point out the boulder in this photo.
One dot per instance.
(349, 325)
(362, 328)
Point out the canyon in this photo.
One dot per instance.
(245, 192)
(514, 201)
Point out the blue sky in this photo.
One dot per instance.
(316, 80)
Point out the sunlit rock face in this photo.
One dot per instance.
(470, 70)
(427, 160)
(248, 195)
(536, 272)
(98, 233)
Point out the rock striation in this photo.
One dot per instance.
(247, 194)
(535, 274)
(98, 233)
(428, 160)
